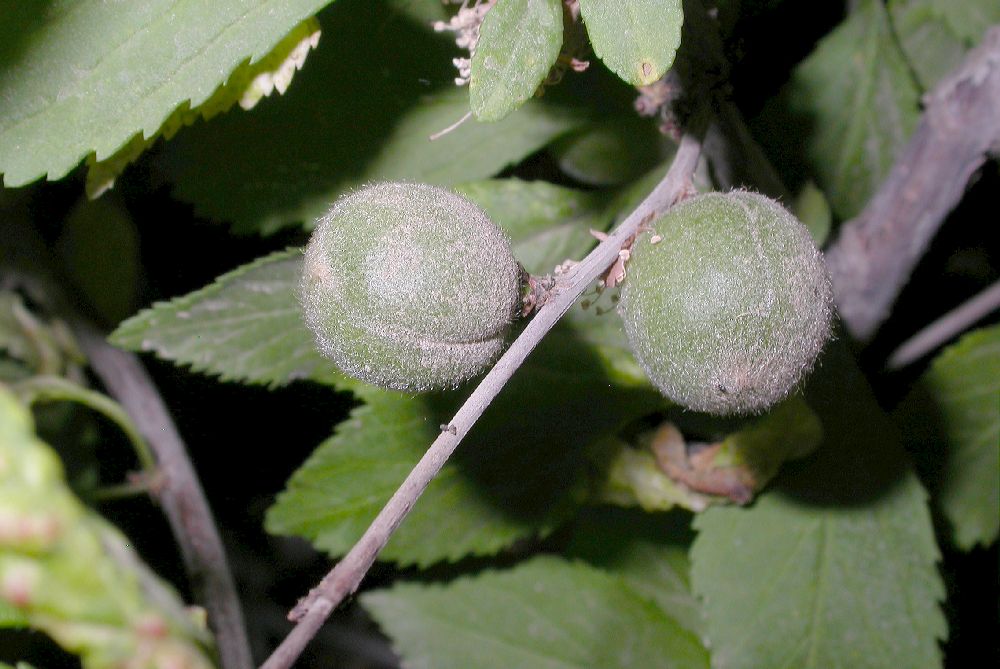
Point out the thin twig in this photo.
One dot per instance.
(945, 328)
(180, 493)
(344, 579)
(28, 262)
(875, 253)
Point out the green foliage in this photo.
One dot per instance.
(836, 566)
(518, 44)
(954, 414)
(92, 76)
(850, 106)
(545, 613)
(288, 161)
(66, 571)
(246, 326)
(584, 363)
(636, 39)
(95, 236)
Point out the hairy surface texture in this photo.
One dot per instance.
(409, 286)
(730, 307)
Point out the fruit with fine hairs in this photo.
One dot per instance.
(727, 303)
(409, 286)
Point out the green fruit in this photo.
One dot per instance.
(409, 286)
(730, 307)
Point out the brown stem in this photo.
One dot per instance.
(875, 253)
(344, 579)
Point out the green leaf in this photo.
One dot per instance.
(647, 550)
(854, 103)
(956, 412)
(67, 572)
(519, 472)
(612, 152)
(835, 567)
(89, 76)
(293, 156)
(812, 208)
(97, 236)
(246, 326)
(636, 39)
(546, 223)
(545, 613)
(932, 48)
(519, 42)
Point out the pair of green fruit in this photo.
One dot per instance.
(726, 305)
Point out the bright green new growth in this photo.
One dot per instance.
(409, 286)
(730, 307)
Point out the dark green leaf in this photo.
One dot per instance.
(518, 45)
(849, 108)
(90, 76)
(636, 39)
(835, 567)
(613, 152)
(546, 613)
(363, 110)
(518, 473)
(245, 326)
(96, 236)
(955, 415)
(649, 551)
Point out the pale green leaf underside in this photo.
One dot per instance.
(964, 385)
(636, 39)
(543, 614)
(856, 96)
(519, 42)
(246, 326)
(67, 572)
(288, 160)
(84, 76)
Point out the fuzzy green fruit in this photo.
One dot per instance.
(730, 308)
(409, 286)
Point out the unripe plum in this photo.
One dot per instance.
(409, 286)
(729, 308)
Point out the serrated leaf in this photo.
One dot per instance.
(647, 550)
(636, 39)
(855, 104)
(519, 42)
(835, 567)
(245, 326)
(293, 156)
(517, 474)
(69, 573)
(89, 76)
(956, 411)
(545, 613)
